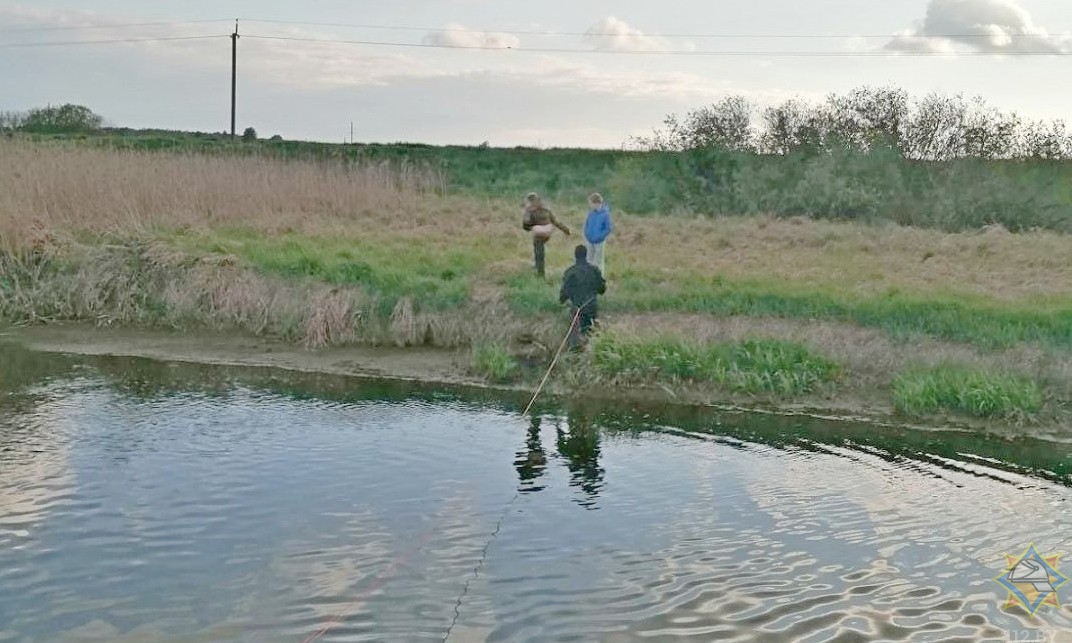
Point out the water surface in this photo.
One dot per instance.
(143, 501)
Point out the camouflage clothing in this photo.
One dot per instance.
(537, 215)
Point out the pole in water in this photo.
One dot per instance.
(558, 353)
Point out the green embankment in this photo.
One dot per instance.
(440, 275)
(982, 323)
(442, 272)
(387, 268)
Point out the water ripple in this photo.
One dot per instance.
(242, 515)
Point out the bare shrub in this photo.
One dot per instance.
(403, 325)
(331, 321)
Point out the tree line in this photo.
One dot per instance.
(68, 118)
(874, 154)
(935, 127)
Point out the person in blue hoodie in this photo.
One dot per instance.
(597, 228)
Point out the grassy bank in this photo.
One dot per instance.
(967, 391)
(751, 366)
(325, 254)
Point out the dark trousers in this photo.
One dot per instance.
(538, 247)
(582, 328)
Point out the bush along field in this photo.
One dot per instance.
(326, 245)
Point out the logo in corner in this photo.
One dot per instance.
(1032, 580)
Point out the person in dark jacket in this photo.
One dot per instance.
(581, 285)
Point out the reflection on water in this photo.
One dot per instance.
(577, 446)
(532, 460)
(142, 501)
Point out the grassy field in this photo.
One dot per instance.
(838, 184)
(383, 252)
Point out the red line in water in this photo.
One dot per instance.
(378, 582)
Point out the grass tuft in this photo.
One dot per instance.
(751, 366)
(966, 391)
(494, 362)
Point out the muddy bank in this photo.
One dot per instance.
(450, 368)
(236, 349)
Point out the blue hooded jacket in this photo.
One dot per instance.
(597, 226)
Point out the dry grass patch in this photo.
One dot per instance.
(850, 258)
(60, 189)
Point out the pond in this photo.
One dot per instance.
(151, 501)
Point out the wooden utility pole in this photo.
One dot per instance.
(234, 74)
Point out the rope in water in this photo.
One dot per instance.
(477, 568)
(506, 509)
(386, 575)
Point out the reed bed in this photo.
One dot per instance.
(49, 191)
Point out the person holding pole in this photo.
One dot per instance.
(581, 285)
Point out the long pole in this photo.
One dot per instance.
(234, 74)
(573, 324)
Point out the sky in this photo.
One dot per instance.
(566, 73)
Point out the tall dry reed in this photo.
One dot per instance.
(49, 190)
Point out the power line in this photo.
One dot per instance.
(124, 25)
(514, 32)
(66, 43)
(663, 52)
(561, 50)
(520, 32)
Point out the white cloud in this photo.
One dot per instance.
(993, 26)
(590, 99)
(42, 25)
(23, 17)
(313, 65)
(454, 35)
(612, 34)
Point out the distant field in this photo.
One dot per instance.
(848, 185)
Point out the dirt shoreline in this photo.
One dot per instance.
(427, 366)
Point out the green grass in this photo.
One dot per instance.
(494, 363)
(961, 319)
(965, 391)
(441, 277)
(389, 268)
(751, 366)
